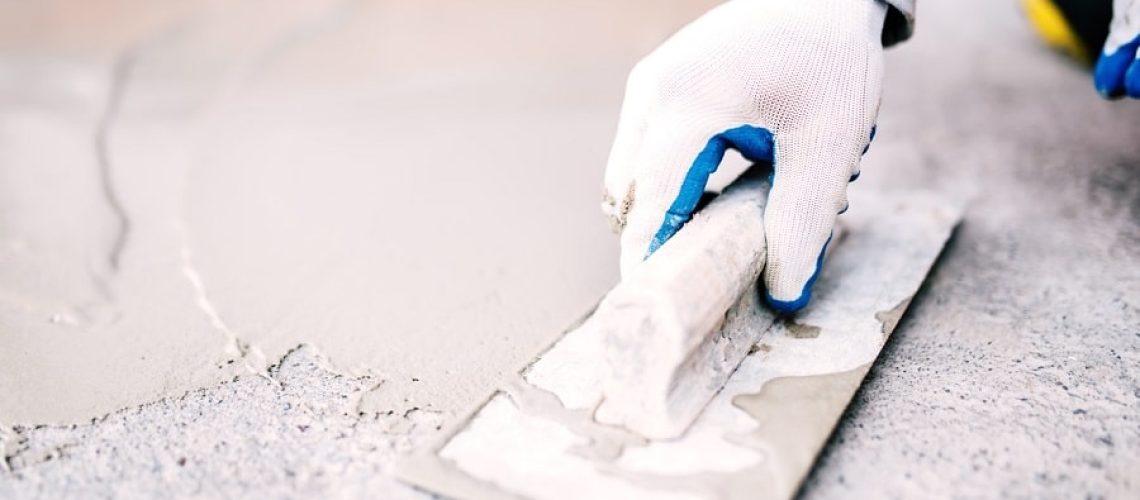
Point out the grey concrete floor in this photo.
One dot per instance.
(1016, 372)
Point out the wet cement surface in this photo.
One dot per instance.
(411, 188)
(1014, 371)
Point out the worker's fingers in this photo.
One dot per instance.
(1132, 79)
(809, 190)
(870, 138)
(620, 190)
(1118, 71)
(678, 155)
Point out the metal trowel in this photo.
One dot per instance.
(681, 383)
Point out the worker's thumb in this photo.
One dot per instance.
(809, 190)
(1117, 72)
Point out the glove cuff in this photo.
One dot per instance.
(900, 21)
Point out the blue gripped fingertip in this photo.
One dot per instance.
(754, 143)
(1132, 80)
(869, 141)
(1109, 74)
(674, 223)
(792, 306)
(854, 177)
(789, 307)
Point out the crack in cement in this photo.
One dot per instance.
(120, 76)
(234, 345)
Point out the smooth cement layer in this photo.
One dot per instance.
(189, 190)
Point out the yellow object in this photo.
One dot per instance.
(1052, 27)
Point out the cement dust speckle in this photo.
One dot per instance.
(243, 439)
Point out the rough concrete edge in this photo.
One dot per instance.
(14, 434)
(7, 434)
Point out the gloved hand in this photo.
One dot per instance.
(1118, 71)
(792, 82)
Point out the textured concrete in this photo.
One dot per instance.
(297, 432)
(1014, 373)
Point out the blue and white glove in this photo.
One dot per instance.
(791, 82)
(1117, 72)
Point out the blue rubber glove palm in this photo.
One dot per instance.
(1117, 72)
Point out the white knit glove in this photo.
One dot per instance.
(1118, 70)
(792, 82)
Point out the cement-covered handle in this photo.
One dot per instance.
(664, 347)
